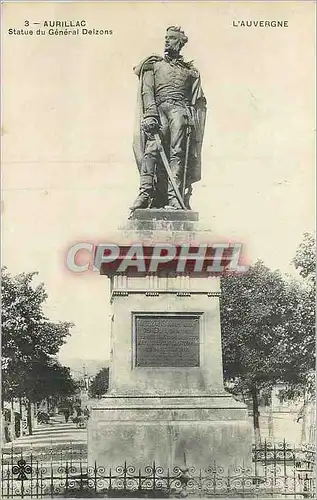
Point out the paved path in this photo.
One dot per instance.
(56, 440)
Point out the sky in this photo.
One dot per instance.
(68, 172)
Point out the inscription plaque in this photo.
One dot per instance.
(166, 341)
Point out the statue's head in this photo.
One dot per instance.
(175, 39)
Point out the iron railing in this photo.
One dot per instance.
(277, 471)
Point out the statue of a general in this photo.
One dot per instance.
(170, 122)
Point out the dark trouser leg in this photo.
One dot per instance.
(178, 127)
(145, 196)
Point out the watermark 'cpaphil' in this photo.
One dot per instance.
(137, 258)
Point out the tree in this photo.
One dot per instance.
(305, 258)
(50, 379)
(29, 341)
(305, 262)
(264, 332)
(100, 383)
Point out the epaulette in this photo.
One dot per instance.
(148, 65)
(190, 65)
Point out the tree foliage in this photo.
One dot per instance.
(304, 366)
(267, 331)
(305, 257)
(100, 383)
(254, 311)
(41, 379)
(30, 341)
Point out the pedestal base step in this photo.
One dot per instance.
(170, 431)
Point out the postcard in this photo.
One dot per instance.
(158, 248)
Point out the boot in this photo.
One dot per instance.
(143, 200)
(145, 196)
(174, 204)
(172, 198)
(188, 193)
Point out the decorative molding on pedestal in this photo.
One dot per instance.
(153, 285)
(157, 293)
(120, 293)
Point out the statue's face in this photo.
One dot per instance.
(172, 42)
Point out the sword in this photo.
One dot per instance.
(168, 169)
(186, 159)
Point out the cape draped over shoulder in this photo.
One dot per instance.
(198, 114)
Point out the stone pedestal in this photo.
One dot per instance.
(166, 401)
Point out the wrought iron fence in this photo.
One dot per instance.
(277, 471)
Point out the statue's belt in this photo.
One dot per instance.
(184, 103)
(172, 100)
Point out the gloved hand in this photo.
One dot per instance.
(150, 125)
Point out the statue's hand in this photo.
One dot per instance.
(150, 125)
